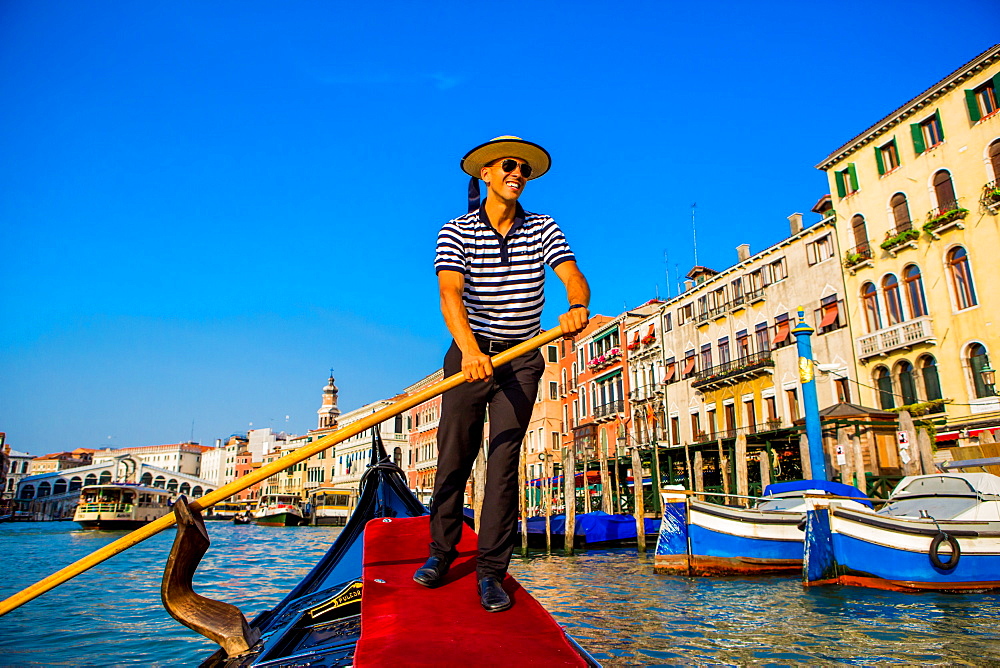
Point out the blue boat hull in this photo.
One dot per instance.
(895, 553)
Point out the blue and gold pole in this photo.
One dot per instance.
(807, 378)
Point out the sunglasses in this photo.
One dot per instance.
(509, 165)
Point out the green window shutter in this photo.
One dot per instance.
(841, 188)
(853, 173)
(918, 138)
(878, 161)
(973, 105)
(937, 115)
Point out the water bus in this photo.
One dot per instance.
(331, 506)
(120, 505)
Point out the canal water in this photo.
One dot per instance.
(609, 600)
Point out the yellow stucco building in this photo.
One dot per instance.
(916, 202)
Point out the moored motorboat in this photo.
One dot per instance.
(701, 538)
(120, 505)
(592, 530)
(279, 510)
(938, 532)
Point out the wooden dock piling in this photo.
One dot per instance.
(569, 487)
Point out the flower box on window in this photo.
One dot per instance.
(895, 242)
(939, 220)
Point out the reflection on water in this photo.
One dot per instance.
(625, 614)
(610, 601)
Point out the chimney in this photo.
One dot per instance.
(796, 223)
(218, 442)
(743, 252)
(688, 284)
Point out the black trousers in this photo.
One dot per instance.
(510, 395)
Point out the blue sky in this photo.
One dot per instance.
(207, 205)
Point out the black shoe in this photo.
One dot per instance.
(492, 595)
(432, 573)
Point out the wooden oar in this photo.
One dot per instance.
(264, 472)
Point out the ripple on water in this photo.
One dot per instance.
(611, 601)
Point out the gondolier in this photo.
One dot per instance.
(490, 265)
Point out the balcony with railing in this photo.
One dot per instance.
(900, 237)
(858, 257)
(765, 427)
(897, 337)
(718, 311)
(734, 371)
(567, 389)
(947, 216)
(754, 296)
(645, 392)
(609, 410)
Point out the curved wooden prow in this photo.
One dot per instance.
(220, 622)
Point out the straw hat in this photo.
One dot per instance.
(506, 147)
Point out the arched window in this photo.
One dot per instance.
(59, 487)
(172, 485)
(146, 479)
(932, 383)
(105, 477)
(24, 468)
(900, 212)
(75, 483)
(914, 291)
(860, 233)
(160, 482)
(977, 360)
(907, 386)
(893, 301)
(869, 298)
(961, 277)
(883, 381)
(197, 491)
(44, 489)
(28, 492)
(397, 456)
(944, 191)
(995, 159)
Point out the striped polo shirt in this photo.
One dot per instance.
(504, 276)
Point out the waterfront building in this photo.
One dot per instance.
(421, 427)
(60, 461)
(211, 463)
(18, 464)
(179, 457)
(351, 457)
(718, 361)
(543, 440)
(916, 197)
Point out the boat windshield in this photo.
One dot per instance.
(938, 507)
(781, 503)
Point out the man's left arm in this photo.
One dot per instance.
(578, 293)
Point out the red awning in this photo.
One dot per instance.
(670, 372)
(652, 330)
(953, 435)
(829, 315)
(782, 334)
(688, 365)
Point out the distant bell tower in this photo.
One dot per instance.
(328, 412)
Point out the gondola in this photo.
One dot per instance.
(318, 623)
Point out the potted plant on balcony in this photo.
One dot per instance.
(893, 241)
(649, 338)
(851, 258)
(991, 196)
(943, 218)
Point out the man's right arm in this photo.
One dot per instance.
(475, 364)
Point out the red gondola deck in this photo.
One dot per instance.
(406, 624)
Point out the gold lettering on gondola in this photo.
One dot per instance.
(348, 594)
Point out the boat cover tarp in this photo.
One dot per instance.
(595, 527)
(984, 483)
(827, 486)
(406, 624)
